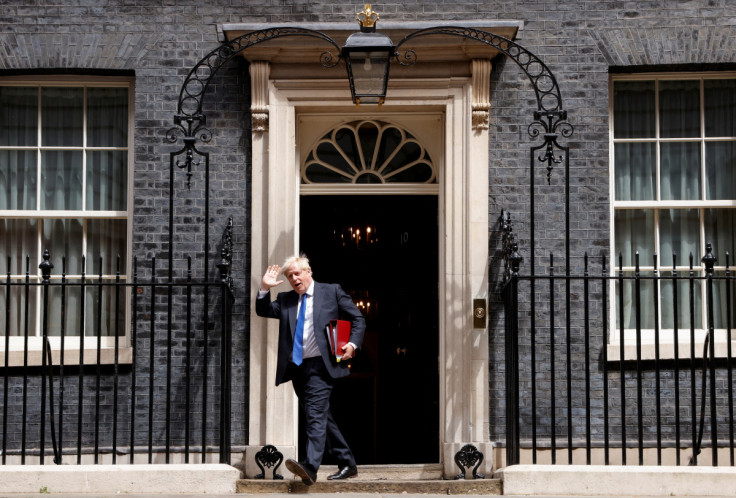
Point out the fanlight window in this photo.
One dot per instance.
(372, 152)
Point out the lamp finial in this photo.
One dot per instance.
(367, 18)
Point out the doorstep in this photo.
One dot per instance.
(385, 479)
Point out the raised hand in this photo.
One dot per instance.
(270, 278)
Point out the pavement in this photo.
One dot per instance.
(326, 495)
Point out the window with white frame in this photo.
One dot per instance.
(65, 147)
(673, 146)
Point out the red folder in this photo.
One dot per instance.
(338, 335)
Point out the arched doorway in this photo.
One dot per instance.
(383, 250)
(462, 219)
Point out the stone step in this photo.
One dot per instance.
(387, 479)
(353, 485)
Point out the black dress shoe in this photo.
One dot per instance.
(344, 473)
(303, 471)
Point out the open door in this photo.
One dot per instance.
(383, 250)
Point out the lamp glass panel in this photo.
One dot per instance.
(369, 73)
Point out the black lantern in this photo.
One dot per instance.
(367, 55)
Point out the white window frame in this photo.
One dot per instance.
(17, 355)
(666, 336)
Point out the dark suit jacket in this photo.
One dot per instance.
(330, 303)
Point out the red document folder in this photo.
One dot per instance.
(338, 335)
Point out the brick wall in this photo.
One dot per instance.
(160, 41)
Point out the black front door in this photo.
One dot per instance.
(383, 250)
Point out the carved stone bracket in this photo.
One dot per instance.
(481, 93)
(259, 73)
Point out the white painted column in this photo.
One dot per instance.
(273, 416)
(464, 228)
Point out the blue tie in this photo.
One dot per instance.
(296, 354)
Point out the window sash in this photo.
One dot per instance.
(663, 187)
(83, 218)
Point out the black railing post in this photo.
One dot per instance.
(224, 268)
(729, 357)
(709, 260)
(604, 356)
(552, 361)
(134, 364)
(45, 268)
(6, 394)
(639, 373)
(511, 318)
(693, 369)
(586, 313)
(188, 363)
(622, 358)
(24, 417)
(676, 364)
(657, 368)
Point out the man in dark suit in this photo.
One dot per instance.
(304, 357)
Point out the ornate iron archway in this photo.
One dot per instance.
(549, 118)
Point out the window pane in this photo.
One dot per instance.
(679, 233)
(61, 179)
(391, 139)
(18, 179)
(634, 233)
(107, 117)
(635, 171)
(62, 116)
(18, 116)
(21, 311)
(63, 238)
(679, 109)
(368, 133)
(345, 139)
(633, 109)
(685, 312)
(329, 155)
(720, 170)
(680, 171)
(632, 304)
(322, 174)
(106, 240)
(18, 239)
(720, 230)
(69, 297)
(724, 301)
(107, 180)
(720, 108)
(101, 306)
(418, 173)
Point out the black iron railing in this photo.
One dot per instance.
(104, 387)
(578, 383)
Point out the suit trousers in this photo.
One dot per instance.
(313, 386)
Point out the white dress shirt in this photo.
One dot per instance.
(309, 342)
(310, 348)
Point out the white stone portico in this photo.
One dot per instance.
(450, 83)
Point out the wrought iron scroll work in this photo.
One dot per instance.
(269, 456)
(190, 121)
(553, 124)
(546, 89)
(467, 457)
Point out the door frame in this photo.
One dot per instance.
(463, 248)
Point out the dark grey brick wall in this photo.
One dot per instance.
(161, 40)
